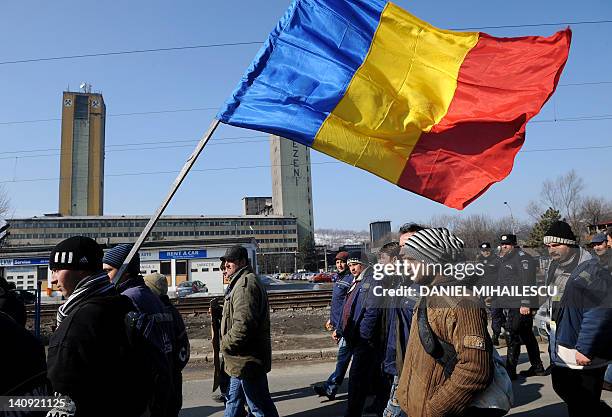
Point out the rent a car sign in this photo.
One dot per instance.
(183, 254)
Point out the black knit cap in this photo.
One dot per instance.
(507, 239)
(78, 253)
(358, 257)
(560, 232)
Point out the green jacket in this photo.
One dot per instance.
(245, 326)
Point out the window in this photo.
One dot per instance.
(205, 269)
(214, 269)
(165, 268)
(181, 267)
(194, 269)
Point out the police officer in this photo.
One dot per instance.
(517, 269)
(490, 262)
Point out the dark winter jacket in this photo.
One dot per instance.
(584, 319)
(11, 304)
(245, 326)
(24, 367)
(516, 269)
(397, 324)
(364, 320)
(155, 324)
(91, 360)
(341, 286)
(180, 353)
(606, 260)
(491, 269)
(148, 303)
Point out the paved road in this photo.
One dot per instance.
(291, 390)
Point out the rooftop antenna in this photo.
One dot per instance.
(85, 87)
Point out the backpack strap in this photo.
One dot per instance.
(443, 352)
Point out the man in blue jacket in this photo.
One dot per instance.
(360, 324)
(581, 341)
(342, 283)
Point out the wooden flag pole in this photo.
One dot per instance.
(177, 183)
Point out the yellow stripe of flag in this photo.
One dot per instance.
(403, 88)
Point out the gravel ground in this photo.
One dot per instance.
(297, 329)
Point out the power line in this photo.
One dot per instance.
(237, 168)
(194, 109)
(585, 83)
(137, 146)
(230, 44)
(177, 140)
(585, 22)
(129, 52)
(190, 145)
(55, 119)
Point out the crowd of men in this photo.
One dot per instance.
(435, 355)
(120, 346)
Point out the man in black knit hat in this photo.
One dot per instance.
(90, 357)
(580, 342)
(566, 255)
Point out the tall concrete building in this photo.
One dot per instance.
(81, 191)
(380, 233)
(292, 185)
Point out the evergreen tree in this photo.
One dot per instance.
(541, 227)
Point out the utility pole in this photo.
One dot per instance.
(325, 255)
(511, 218)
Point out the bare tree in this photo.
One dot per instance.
(564, 193)
(595, 210)
(4, 202)
(450, 221)
(534, 209)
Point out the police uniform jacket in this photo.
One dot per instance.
(516, 269)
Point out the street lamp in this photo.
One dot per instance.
(511, 217)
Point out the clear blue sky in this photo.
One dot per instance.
(205, 77)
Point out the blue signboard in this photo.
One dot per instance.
(182, 254)
(24, 261)
(31, 261)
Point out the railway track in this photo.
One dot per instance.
(285, 300)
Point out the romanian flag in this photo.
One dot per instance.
(437, 112)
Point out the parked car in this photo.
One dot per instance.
(309, 276)
(190, 287)
(322, 277)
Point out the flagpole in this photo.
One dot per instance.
(177, 183)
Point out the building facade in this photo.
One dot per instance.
(81, 189)
(292, 186)
(273, 234)
(179, 261)
(257, 205)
